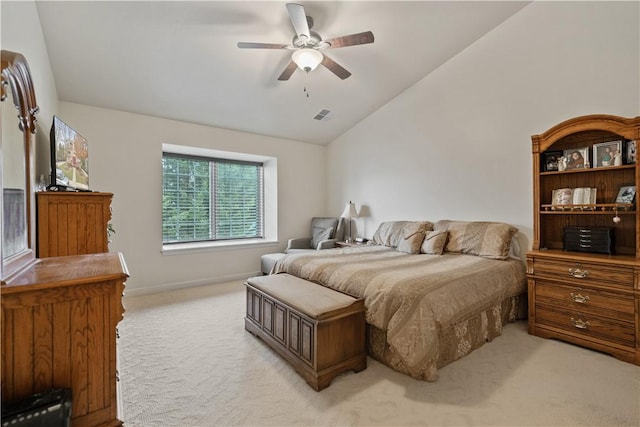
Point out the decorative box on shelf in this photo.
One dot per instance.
(589, 239)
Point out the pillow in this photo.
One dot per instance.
(319, 234)
(485, 239)
(434, 242)
(390, 233)
(411, 243)
(514, 251)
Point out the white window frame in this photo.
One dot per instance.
(270, 174)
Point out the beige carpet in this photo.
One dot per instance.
(186, 360)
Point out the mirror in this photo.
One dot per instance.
(18, 125)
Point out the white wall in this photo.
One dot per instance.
(21, 32)
(125, 152)
(457, 144)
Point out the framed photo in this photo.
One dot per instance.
(607, 154)
(577, 158)
(550, 160)
(562, 196)
(630, 156)
(626, 194)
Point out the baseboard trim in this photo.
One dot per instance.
(189, 284)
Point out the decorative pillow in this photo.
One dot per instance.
(434, 242)
(485, 239)
(390, 233)
(319, 234)
(411, 243)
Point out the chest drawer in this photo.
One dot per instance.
(586, 325)
(585, 272)
(587, 300)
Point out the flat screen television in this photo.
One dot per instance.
(69, 158)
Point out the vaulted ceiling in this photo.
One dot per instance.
(180, 60)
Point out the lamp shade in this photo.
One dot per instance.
(307, 59)
(349, 211)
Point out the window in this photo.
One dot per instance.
(211, 199)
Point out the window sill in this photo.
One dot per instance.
(187, 248)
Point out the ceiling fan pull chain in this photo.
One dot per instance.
(306, 78)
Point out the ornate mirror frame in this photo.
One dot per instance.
(18, 86)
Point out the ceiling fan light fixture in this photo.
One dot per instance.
(307, 59)
(307, 44)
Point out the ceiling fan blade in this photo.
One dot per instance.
(335, 68)
(299, 19)
(351, 40)
(288, 71)
(244, 45)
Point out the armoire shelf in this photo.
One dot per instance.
(596, 209)
(603, 169)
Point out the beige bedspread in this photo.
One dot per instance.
(413, 298)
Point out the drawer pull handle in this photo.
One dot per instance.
(578, 274)
(579, 298)
(580, 324)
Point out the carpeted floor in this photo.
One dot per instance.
(186, 360)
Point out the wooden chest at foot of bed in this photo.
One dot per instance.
(321, 332)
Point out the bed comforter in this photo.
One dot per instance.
(418, 301)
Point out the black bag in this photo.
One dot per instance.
(49, 409)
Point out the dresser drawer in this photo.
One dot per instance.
(583, 271)
(587, 300)
(586, 325)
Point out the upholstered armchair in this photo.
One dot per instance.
(325, 232)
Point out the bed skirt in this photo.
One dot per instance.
(455, 341)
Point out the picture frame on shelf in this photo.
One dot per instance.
(626, 194)
(630, 155)
(577, 158)
(562, 196)
(607, 154)
(575, 198)
(550, 160)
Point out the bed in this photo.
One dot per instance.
(424, 310)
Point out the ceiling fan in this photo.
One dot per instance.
(307, 45)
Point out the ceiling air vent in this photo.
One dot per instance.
(323, 115)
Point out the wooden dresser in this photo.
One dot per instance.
(589, 299)
(59, 318)
(59, 314)
(71, 223)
